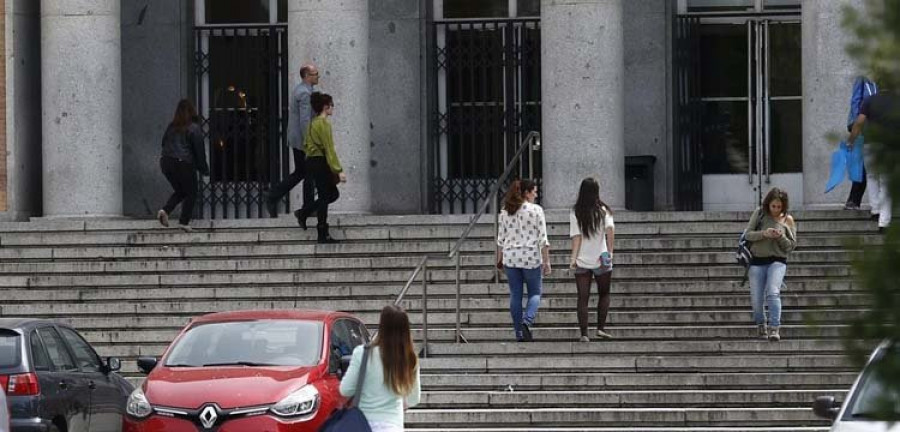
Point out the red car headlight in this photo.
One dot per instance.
(303, 402)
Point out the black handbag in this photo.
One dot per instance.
(743, 255)
(350, 418)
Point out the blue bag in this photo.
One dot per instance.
(838, 168)
(351, 419)
(855, 160)
(846, 163)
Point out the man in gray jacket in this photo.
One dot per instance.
(299, 115)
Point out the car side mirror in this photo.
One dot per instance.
(113, 364)
(826, 407)
(146, 364)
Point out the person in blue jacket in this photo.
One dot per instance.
(863, 88)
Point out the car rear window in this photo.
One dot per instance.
(249, 343)
(10, 349)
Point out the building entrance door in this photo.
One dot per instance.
(749, 109)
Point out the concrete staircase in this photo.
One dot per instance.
(683, 359)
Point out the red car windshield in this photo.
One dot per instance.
(249, 343)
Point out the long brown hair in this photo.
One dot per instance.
(397, 354)
(590, 210)
(775, 194)
(515, 196)
(185, 114)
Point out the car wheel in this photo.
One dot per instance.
(54, 428)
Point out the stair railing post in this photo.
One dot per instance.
(425, 307)
(458, 303)
(494, 198)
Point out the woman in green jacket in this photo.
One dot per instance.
(322, 164)
(772, 235)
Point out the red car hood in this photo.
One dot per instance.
(229, 387)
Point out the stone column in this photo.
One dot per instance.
(81, 95)
(828, 74)
(582, 78)
(335, 36)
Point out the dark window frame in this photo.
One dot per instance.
(75, 353)
(33, 337)
(65, 350)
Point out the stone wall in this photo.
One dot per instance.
(395, 105)
(21, 83)
(3, 172)
(156, 70)
(646, 32)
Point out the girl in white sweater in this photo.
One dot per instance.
(391, 383)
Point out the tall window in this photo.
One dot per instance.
(487, 59)
(241, 72)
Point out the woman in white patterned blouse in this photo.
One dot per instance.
(524, 252)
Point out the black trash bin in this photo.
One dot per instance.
(639, 182)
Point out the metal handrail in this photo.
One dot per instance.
(533, 135)
(423, 268)
(534, 139)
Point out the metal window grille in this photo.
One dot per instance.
(688, 149)
(486, 78)
(242, 98)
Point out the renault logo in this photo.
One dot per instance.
(208, 416)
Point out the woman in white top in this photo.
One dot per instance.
(523, 251)
(391, 383)
(592, 231)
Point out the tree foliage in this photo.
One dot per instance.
(876, 49)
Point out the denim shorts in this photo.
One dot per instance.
(597, 271)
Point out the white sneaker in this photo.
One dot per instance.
(603, 335)
(186, 228)
(163, 218)
(585, 339)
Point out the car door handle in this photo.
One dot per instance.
(63, 385)
(92, 385)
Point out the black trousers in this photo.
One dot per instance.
(327, 190)
(857, 190)
(293, 179)
(183, 179)
(583, 285)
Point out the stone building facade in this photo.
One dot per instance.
(432, 97)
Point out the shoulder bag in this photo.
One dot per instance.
(351, 418)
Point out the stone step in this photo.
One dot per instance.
(561, 302)
(624, 399)
(621, 289)
(624, 262)
(603, 348)
(674, 363)
(435, 247)
(628, 429)
(630, 381)
(553, 216)
(286, 221)
(251, 274)
(252, 234)
(612, 417)
(436, 318)
(136, 335)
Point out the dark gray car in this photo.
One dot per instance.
(55, 381)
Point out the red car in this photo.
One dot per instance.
(275, 371)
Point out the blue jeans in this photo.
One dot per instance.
(765, 286)
(518, 277)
